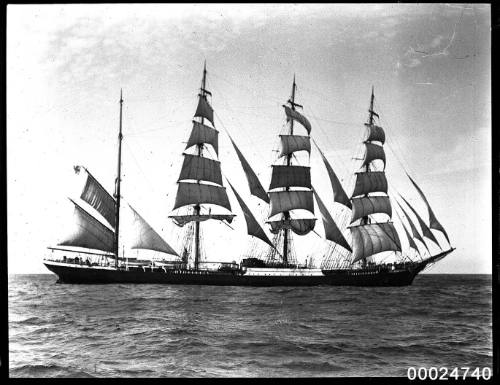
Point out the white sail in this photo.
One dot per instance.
(288, 176)
(298, 117)
(364, 206)
(425, 230)
(145, 237)
(375, 133)
(374, 238)
(203, 134)
(194, 194)
(282, 201)
(434, 223)
(298, 226)
(204, 110)
(96, 196)
(368, 182)
(339, 194)
(201, 168)
(253, 227)
(332, 232)
(294, 143)
(254, 184)
(88, 232)
(373, 152)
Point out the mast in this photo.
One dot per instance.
(197, 207)
(118, 180)
(366, 220)
(288, 162)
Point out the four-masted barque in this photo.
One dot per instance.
(91, 252)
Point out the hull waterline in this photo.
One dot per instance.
(76, 274)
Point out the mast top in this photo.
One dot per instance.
(121, 96)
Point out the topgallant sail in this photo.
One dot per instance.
(358, 229)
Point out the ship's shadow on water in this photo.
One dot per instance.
(200, 331)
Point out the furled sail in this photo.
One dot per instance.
(373, 238)
(145, 237)
(282, 201)
(364, 206)
(339, 194)
(88, 232)
(288, 176)
(367, 182)
(254, 184)
(195, 193)
(294, 143)
(413, 228)
(298, 117)
(181, 220)
(375, 133)
(253, 227)
(298, 226)
(425, 230)
(201, 134)
(434, 223)
(332, 232)
(201, 168)
(204, 110)
(373, 152)
(96, 196)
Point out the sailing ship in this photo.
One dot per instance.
(91, 253)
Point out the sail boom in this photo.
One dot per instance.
(298, 226)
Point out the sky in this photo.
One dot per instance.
(428, 63)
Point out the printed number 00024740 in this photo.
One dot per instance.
(444, 373)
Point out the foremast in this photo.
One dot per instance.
(117, 185)
(370, 237)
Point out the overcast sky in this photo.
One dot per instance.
(429, 64)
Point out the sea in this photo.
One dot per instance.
(125, 330)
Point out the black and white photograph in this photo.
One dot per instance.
(249, 190)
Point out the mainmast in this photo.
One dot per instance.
(197, 168)
(117, 185)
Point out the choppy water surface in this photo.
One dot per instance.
(199, 331)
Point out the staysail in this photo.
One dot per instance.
(434, 223)
(339, 194)
(413, 228)
(95, 195)
(425, 230)
(332, 232)
(254, 184)
(88, 232)
(253, 227)
(145, 237)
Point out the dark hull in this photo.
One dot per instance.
(69, 273)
